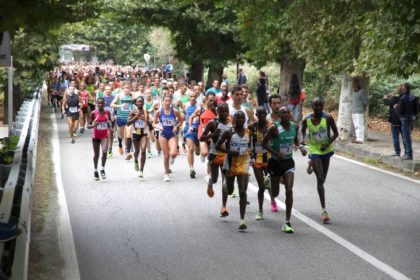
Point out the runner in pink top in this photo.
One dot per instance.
(99, 121)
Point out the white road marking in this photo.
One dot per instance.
(338, 239)
(378, 169)
(65, 233)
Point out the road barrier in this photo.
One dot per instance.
(15, 203)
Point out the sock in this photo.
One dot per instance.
(128, 148)
(119, 142)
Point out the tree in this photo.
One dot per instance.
(203, 32)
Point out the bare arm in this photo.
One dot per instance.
(270, 133)
(226, 136)
(114, 102)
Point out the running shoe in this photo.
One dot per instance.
(141, 174)
(203, 159)
(73, 140)
(166, 178)
(242, 225)
(274, 207)
(234, 193)
(149, 154)
(192, 173)
(309, 170)
(170, 171)
(267, 182)
(128, 156)
(210, 191)
(287, 228)
(259, 216)
(121, 150)
(172, 161)
(136, 166)
(103, 175)
(109, 154)
(325, 218)
(96, 174)
(248, 202)
(82, 130)
(224, 212)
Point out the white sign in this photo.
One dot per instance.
(5, 50)
(76, 47)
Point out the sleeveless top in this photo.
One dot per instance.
(205, 117)
(72, 103)
(318, 136)
(259, 154)
(283, 143)
(167, 122)
(222, 127)
(83, 95)
(189, 110)
(140, 126)
(123, 112)
(239, 164)
(101, 130)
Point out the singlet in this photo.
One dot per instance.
(232, 112)
(318, 135)
(91, 90)
(101, 130)
(83, 95)
(189, 110)
(156, 93)
(167, 122)
(204, 118)
(140, 126)
(258, 152)
(223, 127)
(72, 101)
(123, 112)
(108, 101)
(284, 141)
(183, 98)
(239, 164)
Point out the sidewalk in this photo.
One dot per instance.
(379, 147)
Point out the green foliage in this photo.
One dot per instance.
(8, 146)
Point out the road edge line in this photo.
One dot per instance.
(65, 232)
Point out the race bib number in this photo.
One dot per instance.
(102, 126)
(73, 109)
(320, 135)
(286, 149)
(139, 124)
(259, 149)
(168, 122)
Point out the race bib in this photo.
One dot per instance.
(102, 126)
(286, 149)
(320, 135)
(168, 122)
(73, 109)
(139, 124)
(259, 149)
(125, 107)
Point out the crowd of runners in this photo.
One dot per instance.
(152, 114)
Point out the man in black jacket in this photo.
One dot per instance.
(407, 111)
(393, 118)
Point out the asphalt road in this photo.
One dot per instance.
(128, 228)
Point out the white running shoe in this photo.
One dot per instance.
(166, 178)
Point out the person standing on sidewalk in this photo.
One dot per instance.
(393, 118)
(408, 109)
(359, 102)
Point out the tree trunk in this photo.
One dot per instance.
(215, 73)
(345, 122)
(197, 70)
(288, 67)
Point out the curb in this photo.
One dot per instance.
(406, 165)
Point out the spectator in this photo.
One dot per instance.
(296, 98)
(262, 97)
(393, 118)
(408, 109)
(225, 79)
(241, 77)
(359, 102)
(224, 96)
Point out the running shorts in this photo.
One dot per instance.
(137, 137)
(216, 159)
(279, 168)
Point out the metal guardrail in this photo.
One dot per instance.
(16, 195)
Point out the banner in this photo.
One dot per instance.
(5, 50)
